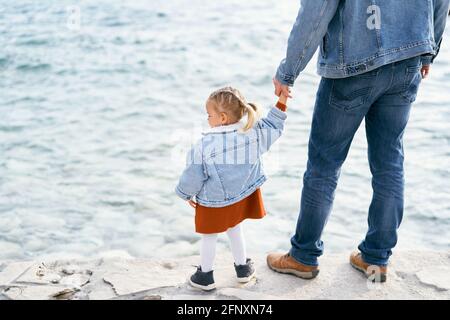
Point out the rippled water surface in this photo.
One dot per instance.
(94, 122)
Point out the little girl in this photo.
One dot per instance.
(224, 174)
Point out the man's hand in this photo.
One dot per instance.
(192, 203)
(281, 88)
(424, 71)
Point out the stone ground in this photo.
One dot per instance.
(411, 275)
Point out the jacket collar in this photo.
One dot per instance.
(225, 128)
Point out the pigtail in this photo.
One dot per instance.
(253, 113)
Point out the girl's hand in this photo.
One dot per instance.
(192, 203)
(283, 99)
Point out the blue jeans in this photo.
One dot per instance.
(382, 97)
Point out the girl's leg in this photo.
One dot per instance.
(208, 251)
(237, 243)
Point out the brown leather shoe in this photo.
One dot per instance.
(374, 272)
(284, 263)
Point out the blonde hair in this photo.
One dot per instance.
(233, 103)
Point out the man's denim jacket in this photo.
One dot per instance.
(356, 36)
(224, 166)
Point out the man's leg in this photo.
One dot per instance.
(385, 124)
(341, 104)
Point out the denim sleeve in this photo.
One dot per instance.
(306, 34)
(441, 8)
(193, 176)
(426, 59)
(270, 128)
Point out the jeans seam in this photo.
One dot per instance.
(308, 43)
(407, 85)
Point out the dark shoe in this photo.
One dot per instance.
(245, 272)
(374, 272)
(284, 263)
(203, 280)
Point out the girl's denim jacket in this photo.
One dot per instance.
(224, 166)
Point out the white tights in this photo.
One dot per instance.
(208, 247)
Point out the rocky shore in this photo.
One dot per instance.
(412, 275)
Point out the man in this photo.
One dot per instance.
(373, 55)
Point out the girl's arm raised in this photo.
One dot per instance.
(270, 128)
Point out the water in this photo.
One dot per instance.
(95, 120)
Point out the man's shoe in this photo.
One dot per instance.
(203, 280)
(245, 272)
(284, 263)
(374, 272)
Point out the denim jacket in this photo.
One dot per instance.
(356, 36)
(224, 166)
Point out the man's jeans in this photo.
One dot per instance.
(382, 97)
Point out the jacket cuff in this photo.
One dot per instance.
(181, 194)
(284, 78)
(277, 113)
(426, 59)
(281, 106)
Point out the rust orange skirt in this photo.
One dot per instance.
(216, 220)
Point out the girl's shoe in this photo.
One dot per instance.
(245, 272)
(203, 280)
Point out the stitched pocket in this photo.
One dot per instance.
(352, 92)
(411, 83)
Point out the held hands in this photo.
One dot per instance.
(281, 88)
(283, 93)
(283, 99)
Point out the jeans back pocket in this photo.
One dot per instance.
(411, 83)
(352, 92)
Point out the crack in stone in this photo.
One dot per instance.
(24, 272)
(100, 262)
(65, 294)
(111, 285)
(38, 284)
(145, 293)
(402, 275)
(431, 285)
(3, 297)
